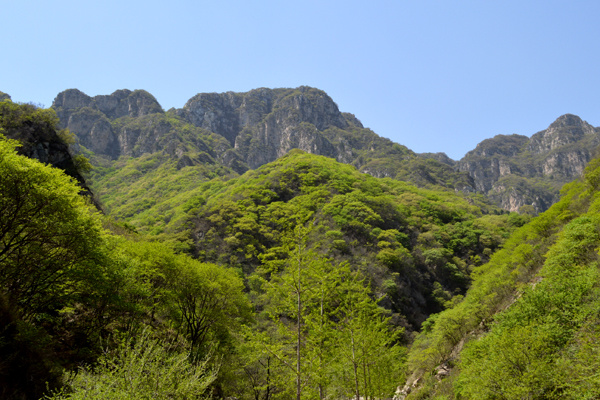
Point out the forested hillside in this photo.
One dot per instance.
(364, 261)
(527, 327)
(304, 277)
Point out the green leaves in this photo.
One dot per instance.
(324, 331)
(142, 369)
(50, 239)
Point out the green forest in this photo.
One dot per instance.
(303, 278)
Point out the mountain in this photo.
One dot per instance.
(521, 173)
(360, 280)
(384, 251)
(417, 246)
(235, 132)
(243, 131)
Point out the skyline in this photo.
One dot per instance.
(433, 76)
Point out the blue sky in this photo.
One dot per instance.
(431, 75)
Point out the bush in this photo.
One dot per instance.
(142, 369)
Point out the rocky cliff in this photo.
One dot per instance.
(243, 131)
(521, 173)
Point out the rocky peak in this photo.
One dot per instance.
(215, 112)
(127, 103)
(244, 130)
(90, 117)
(116, 105)
(566, 129)
(517, 171)
(499, 145)
(313, 106)
(70, 99)
(568, 120)
(228, 114)
(4, 96)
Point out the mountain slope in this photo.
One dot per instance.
(242, 131)
(527, 327)
(36, 130)
(417, 246)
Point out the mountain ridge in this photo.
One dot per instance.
(245, 130)
(251, 128)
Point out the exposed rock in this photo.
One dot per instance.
(517, 171)
(90, 117)
(246, 130)
(94, 131)
(565, 130)
(264, 124)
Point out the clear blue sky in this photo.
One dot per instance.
(432, 75)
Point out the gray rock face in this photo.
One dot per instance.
(90, 117)
(565, 130)
(517, 171)
(264, 124)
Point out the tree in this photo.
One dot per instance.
(53, 273)
(325, 324)
(142, 369)
(209, 304)
(50, 239)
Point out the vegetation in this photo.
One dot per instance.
(304, 278)
(529, 318)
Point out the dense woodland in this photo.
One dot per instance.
(303, 278)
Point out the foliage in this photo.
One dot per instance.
(49, 240)
(140, 369)
(517, 359)
(150, 192)
(530, 316)
(324, 336)
(66, 282)
(390, 230)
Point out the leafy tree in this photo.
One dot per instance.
(209, 304)
(54, 271)
(325, 326)
(140, 369)
(49, 239)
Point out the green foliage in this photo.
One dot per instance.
(140, 369)
(54, 274)
(24, 118)
(389, 230)
(517, 359)
(50, 239)
(529, 319)
(324, 336)
(150, 192)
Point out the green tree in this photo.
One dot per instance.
(142, 369)
(326, 324)
(50, 241)
(208, 304)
